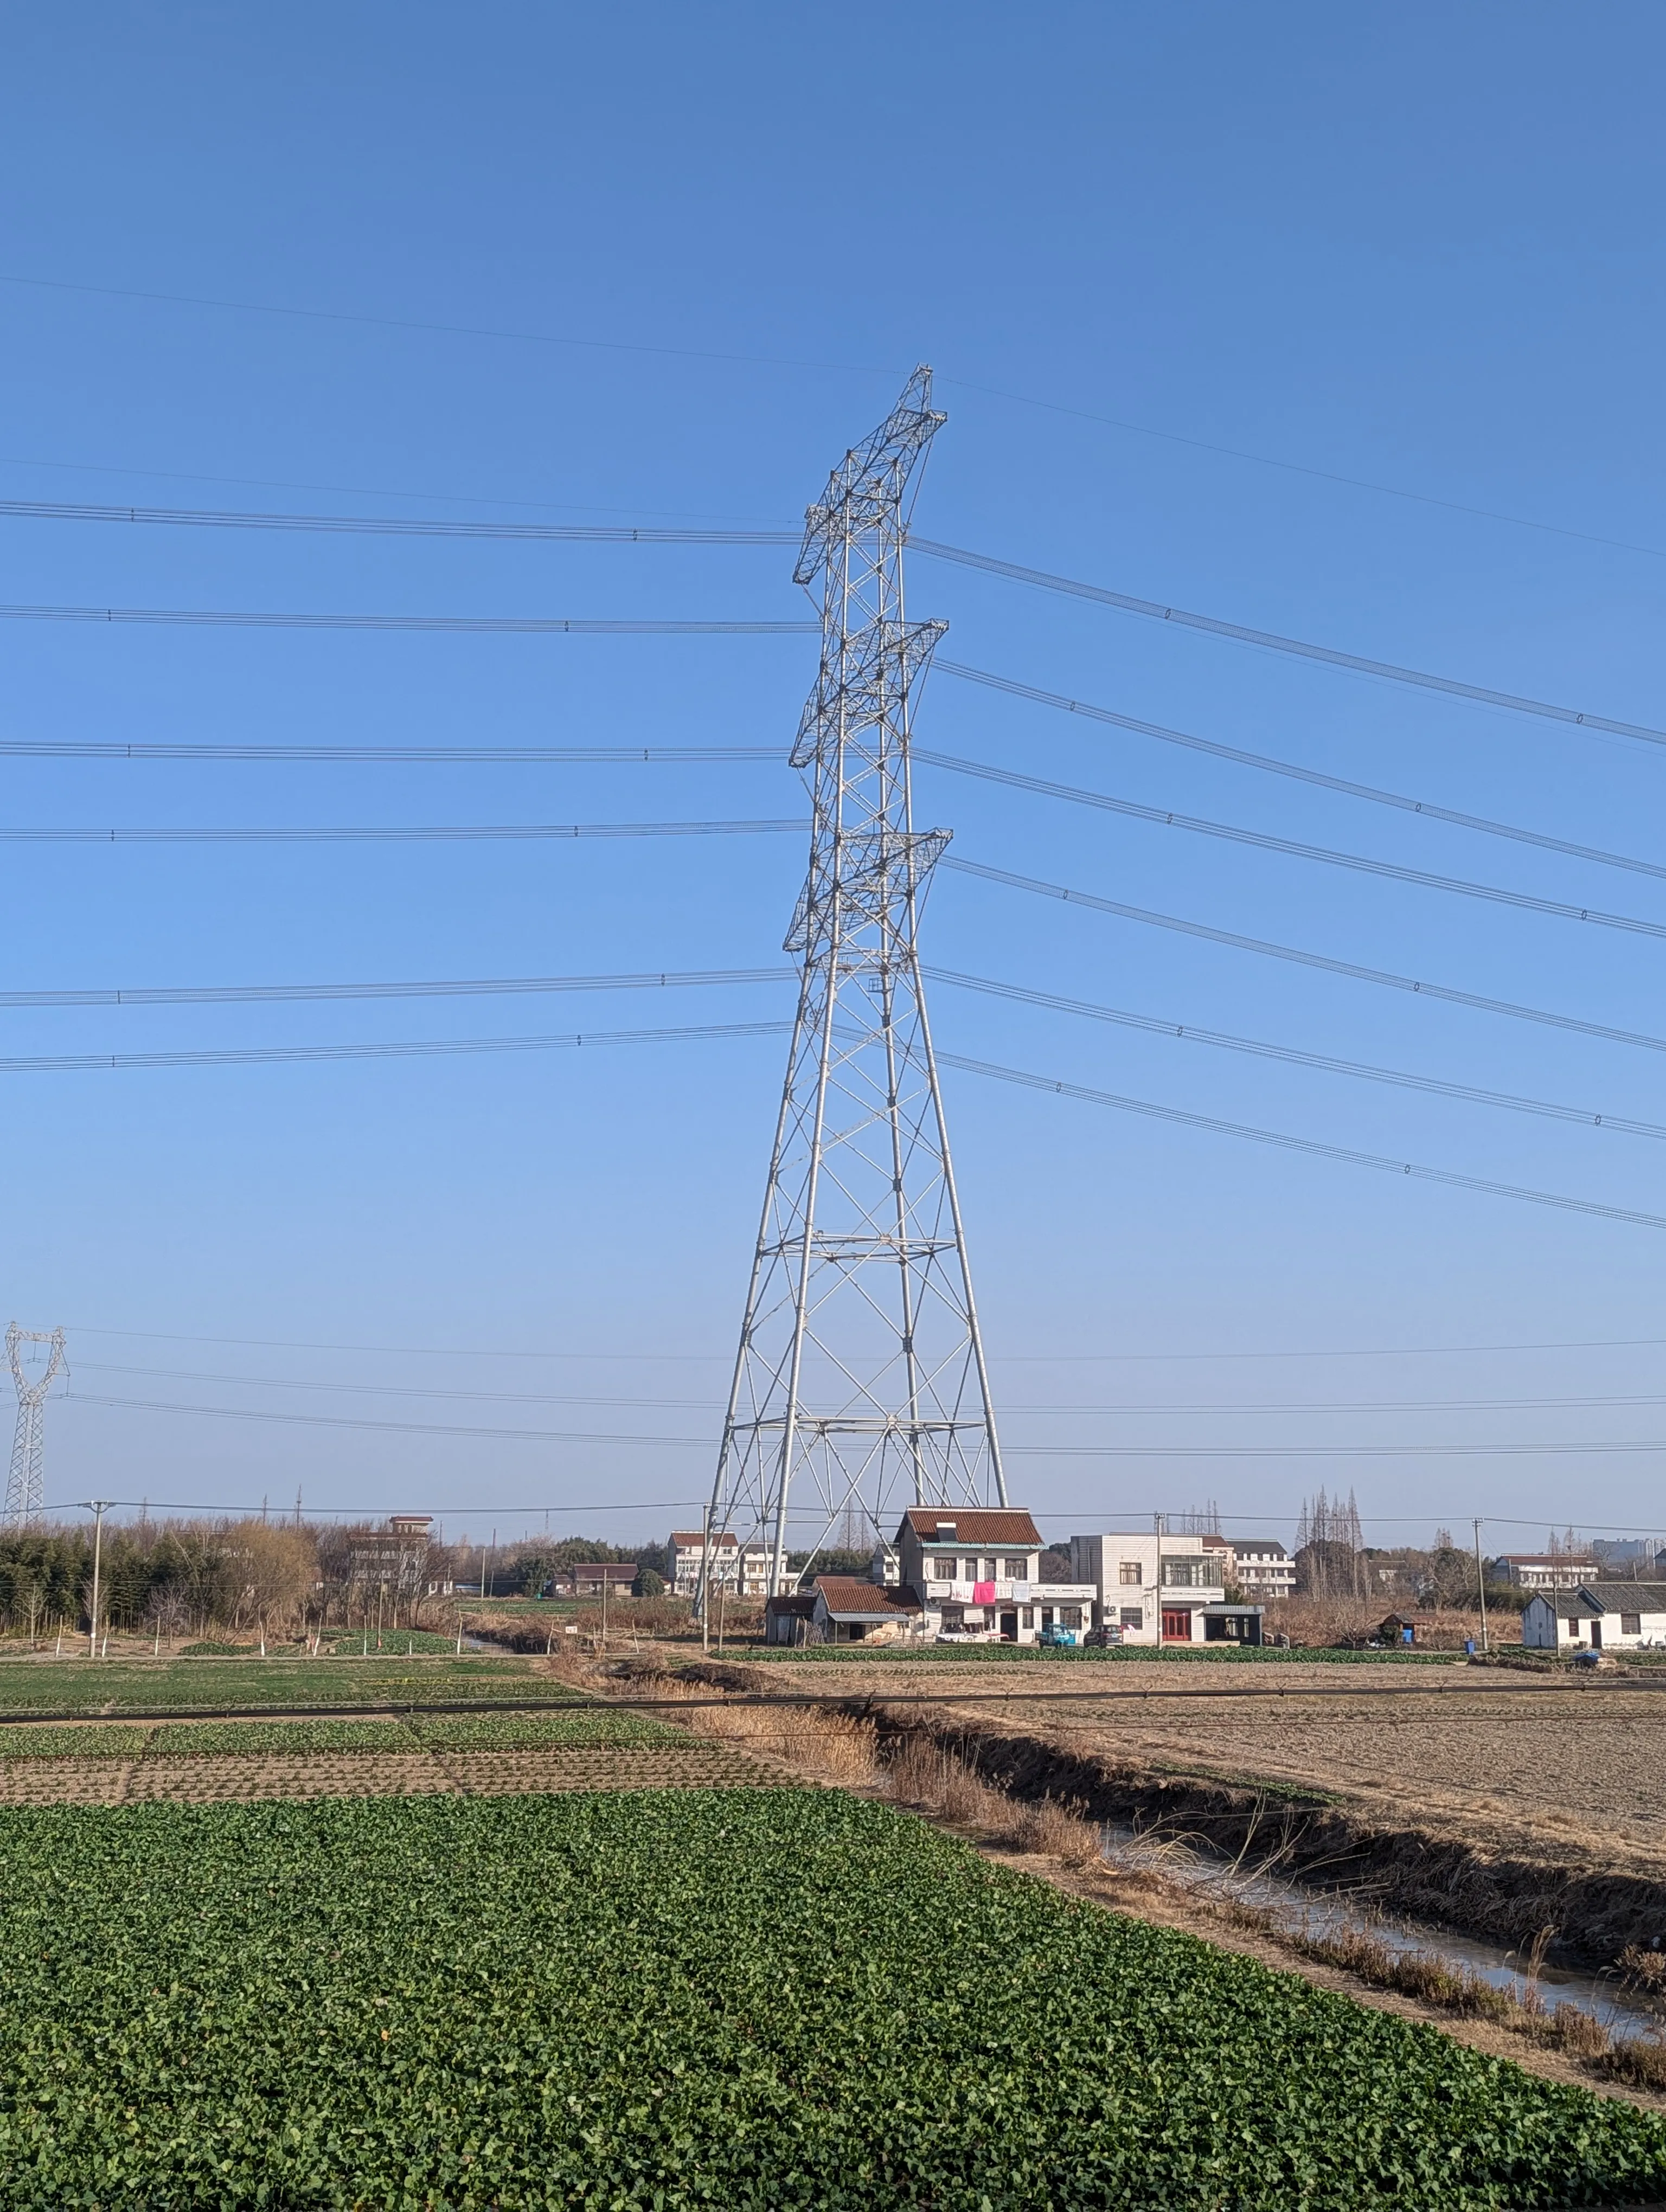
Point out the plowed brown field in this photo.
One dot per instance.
(1506, 1760)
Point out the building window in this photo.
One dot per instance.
(1187, 1574)
(1070, 1616)
(1131, 1571)
(1016, 1570)
(1134, 1616)
(1631, 1624)
(988, 1574)
(941, 1571)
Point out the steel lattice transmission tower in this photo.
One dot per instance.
(26, 1494)
(860, 1380)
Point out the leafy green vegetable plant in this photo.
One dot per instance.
(784, 2000)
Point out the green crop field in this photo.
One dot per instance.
(746, 2001)
(586, 1728)
(49, 1688)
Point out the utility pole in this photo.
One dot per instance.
(97, 1507)
(859, 1377)
(1480, 1584)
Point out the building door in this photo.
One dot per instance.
(1009, 1628)
(1176, 1623)
(1596, 1636)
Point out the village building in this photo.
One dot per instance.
(1262, 1568)
(741, 1569)
(978, 1572)
(1149, 1588)
(972, 1573)
(1545, 1571)
(1598, 1616)
(590, 1577)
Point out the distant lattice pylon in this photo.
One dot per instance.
(25, 1493)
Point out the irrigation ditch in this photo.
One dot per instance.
(1601, 2017)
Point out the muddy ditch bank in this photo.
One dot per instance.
(1597, 1912)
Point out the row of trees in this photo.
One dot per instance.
(189, 1578)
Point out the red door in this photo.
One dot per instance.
(1176, 1623)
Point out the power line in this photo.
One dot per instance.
(428, 1390)
(1031, 1451)
(1304, 469)
(390, 525)
(1242, 634)
(397, 834)
(1026, 1359)
(419, 1350)
(225, 994)
(1190, 1408)
(249, 1511)
(1262, 840)
(1335, 1451)
(1287, 1054)
(423, 1048)
(440, 329)
(490, 625)
(769, 360)
(1264, 762)
(403, 1428)
(1341, 1406)
(1357, 973)
(295, 994)
(404, 755)
(1309, 1145)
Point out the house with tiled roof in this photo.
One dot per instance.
(978, 1573)
(1598, 1616)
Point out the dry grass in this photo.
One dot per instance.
(825, 1744)
(1639, 2060)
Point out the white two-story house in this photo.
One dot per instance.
(977, 1572)
(1155, 1588)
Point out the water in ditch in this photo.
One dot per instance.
(1302, 1911)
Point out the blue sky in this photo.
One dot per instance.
(653, 265)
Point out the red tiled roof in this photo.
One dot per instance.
(974, 1525)
(693, 1539)
(849, 1594)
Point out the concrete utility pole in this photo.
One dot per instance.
(1480, 1584)
(97, 1507)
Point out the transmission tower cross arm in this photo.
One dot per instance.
(870, 480)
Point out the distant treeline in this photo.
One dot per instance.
(181, 1578)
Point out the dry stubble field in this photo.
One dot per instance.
(1506, 1760)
